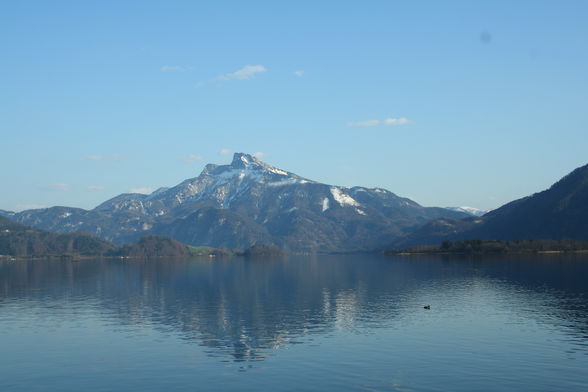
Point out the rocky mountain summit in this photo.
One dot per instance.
(246, 203)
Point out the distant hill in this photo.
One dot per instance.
(152, 246)
(23, 241)
(247, 203)
(560, 212)
(18, 240)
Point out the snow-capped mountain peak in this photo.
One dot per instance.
(245, 167)
(246, 161)
(223, 183)
(241, 160)
(468, 210)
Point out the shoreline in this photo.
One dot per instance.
(517, 252)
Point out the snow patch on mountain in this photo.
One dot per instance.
(325, 204)
(277, 171)
(342, 198)
(289, 181)
(249, 173)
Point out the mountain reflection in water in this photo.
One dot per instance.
(243, 309)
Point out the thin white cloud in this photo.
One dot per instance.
(224, 151)
(143, 190)
(396, 121)
(118, 158)
(258, 155)
(299, 73)
(245, 73)
(175, 68)
(104, 158)
(94, 158)
(192, 158)
(368, 123)
(61, 187)
(95, 188)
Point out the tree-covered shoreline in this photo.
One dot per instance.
(476, 246)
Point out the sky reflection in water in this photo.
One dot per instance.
(311, 323)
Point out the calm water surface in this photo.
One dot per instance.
(325, 323)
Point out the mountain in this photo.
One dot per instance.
(560, 212)
(468, 210)
(246, 203)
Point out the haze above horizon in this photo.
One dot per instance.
(470, 104)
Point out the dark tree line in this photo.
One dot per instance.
(477, 246)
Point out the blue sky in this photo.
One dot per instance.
(448, 103)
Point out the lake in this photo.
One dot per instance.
(316, 323)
